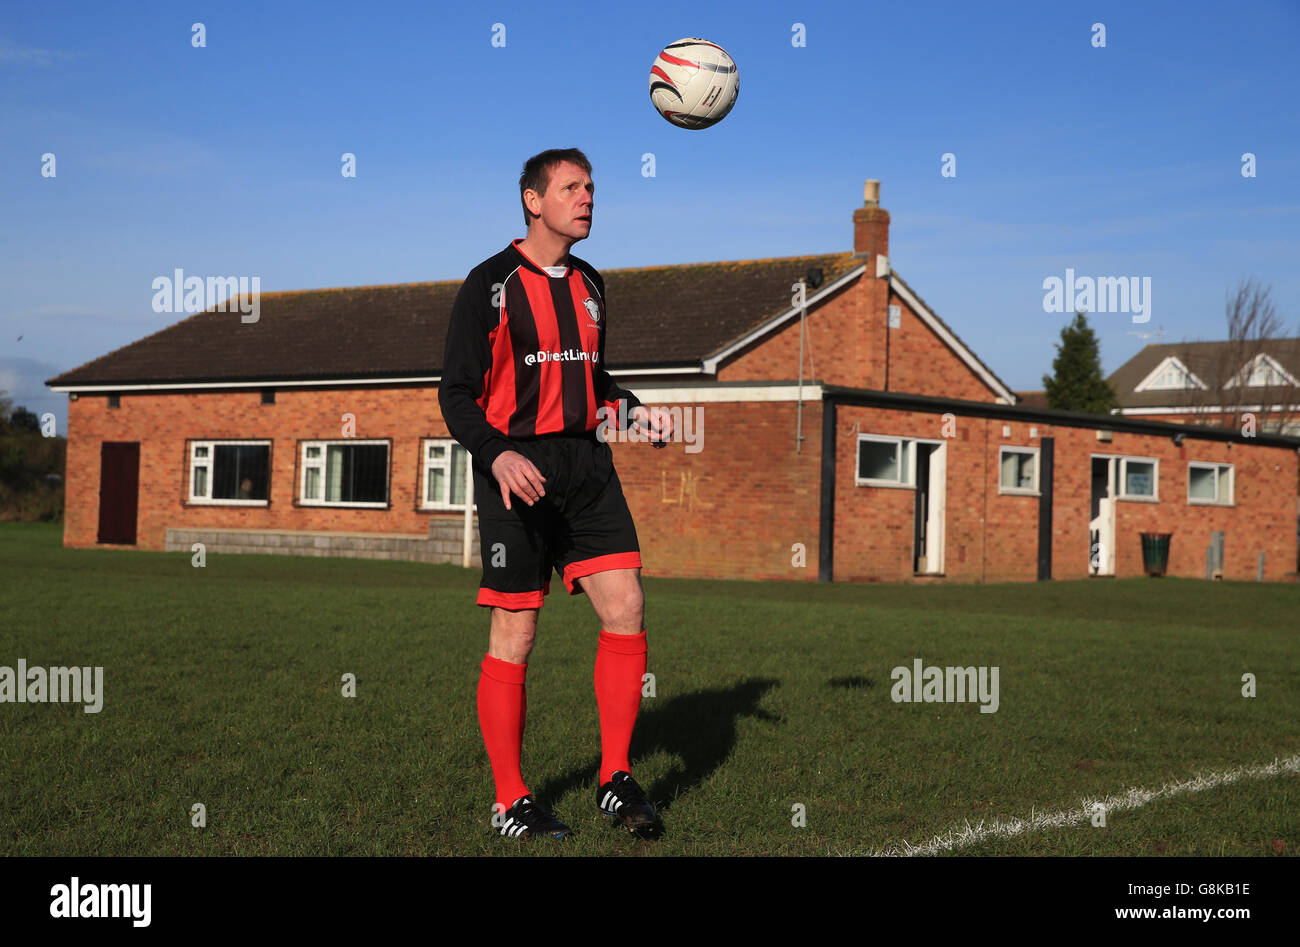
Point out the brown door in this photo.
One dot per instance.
(119, 492)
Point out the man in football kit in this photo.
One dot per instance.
(524, 390)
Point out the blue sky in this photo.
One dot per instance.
(1115, 161)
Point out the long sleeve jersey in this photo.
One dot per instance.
(525, 355)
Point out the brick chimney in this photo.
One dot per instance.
(871, 223)
(868, 340)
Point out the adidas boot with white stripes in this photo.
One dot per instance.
(625, 802)
(527, 818)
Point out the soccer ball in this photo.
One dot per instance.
(694, 83)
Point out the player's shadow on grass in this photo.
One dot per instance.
(698, 728)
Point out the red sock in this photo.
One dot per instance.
(501, 707)
(620, 663)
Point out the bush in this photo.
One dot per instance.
(31, 471)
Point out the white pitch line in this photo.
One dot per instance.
(1133, 799)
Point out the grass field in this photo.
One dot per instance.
(223, 686)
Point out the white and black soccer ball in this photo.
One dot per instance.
(694, 83)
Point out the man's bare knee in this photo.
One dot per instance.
(512, 634)
(626, 614)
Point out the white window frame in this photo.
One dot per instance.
(1275, 374)
(1122, 475)
(325, 445)
(210, 460)
(1171, 363)
(1218, 472)
(1019, 491)
(907, 464)
(426, 465)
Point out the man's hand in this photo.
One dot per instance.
(657, 422)
(515, 472)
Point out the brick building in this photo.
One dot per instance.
(892, 454)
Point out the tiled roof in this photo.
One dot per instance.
(659, 316)
(1213, 362)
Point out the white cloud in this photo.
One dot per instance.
(31, 55)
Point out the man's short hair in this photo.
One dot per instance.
(536, 175)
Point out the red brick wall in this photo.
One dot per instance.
(163, 422)
(1262, 519)
(732, 509)
(837, 345)
(873, 525)
(735, 508)
(921, 363)
(994, 537)
(846, 343)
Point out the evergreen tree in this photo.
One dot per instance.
(23, 420)
(1076, 383)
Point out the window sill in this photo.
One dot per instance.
(316, 505)
(261, 503)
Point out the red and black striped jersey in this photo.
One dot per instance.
(525, 355)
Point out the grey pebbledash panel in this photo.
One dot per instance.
(442, 545)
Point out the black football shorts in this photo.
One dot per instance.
(581, 525)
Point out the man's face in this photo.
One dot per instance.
(566, 207)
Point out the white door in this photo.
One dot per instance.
(1101, 530)
(934, 543)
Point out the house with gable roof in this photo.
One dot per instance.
(842, 432)
(1224, 382)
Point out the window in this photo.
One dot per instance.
(115, 401)
(444, 475)
(344, 473)
(885, 461)
(1263, 375)
(1209, 483)
(230, 472)
(268, 396)
(1170, 375)
(1018, 470)
(1262, 371)
(1137, 478)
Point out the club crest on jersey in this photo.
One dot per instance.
(593, 309)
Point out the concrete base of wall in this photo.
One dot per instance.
(441, 545)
